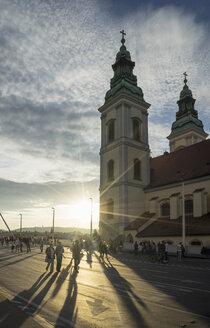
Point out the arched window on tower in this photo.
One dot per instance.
(111, 131)
(137, 169)
(165, 209)
(110, 170)
(110, 209)
(136, 129)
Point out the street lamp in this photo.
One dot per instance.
(21, 220)
(183, 215)
(183, 210)
(53, 223)
(91, 217)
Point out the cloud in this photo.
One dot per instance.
(16, 196)
(55, 68)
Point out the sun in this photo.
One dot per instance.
(78, 214)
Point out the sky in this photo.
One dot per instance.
(55, 68)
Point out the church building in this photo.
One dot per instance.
(143, 197)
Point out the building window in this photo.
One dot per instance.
(165, 209)
(110, 170)
(136, 129)
(111, 131)
(188, 206)
(110, 209)
(137, 169)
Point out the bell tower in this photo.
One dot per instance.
(124, 153)
(187, 129)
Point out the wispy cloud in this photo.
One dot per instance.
(55, 68)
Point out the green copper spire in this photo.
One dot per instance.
(124, 81)
(187, 116)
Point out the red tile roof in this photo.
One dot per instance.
(190, 162)
(165, 227)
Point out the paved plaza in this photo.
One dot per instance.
(123, 291)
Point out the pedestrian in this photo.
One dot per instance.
(76, 254)
(162, 251)
(140, 249)
(105, 249)
(136, 248)
(183, 250)
(59, 255)
(101, 249)
(41, 245)
(21, 245)
(179, 252)
(12, 246)
(166, 251)
(27, 242)
(121, 245)
(17, 245)
(50, 256)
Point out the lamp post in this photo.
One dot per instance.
(21, 221)
(91, 217)
(183, 215)
(183, 209)
(53, 223)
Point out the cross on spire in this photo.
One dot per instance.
(185, 77)
(123, 39)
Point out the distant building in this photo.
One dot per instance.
(140, 196)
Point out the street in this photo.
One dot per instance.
(123, 291)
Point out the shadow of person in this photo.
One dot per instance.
(39, 299)
(68, 314)
(22, 300)
(125, 291)
(19, 260)
(62, 277)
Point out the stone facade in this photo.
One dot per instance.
(135, 186)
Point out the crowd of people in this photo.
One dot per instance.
(160, 250)
(56, 250)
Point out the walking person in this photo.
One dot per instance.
(105, 249)
(136, 248)
(166, 251)
(183, 250)
(21, 245)
(12, 246)
(17, 245)
(179, 252)
(101, 249)
(41, 245)
(76, 255)
(50, 256)
(59, 255)
(140, 249)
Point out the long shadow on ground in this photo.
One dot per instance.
(26, 301)
(125, 290)
(170, 280)
(68, 314)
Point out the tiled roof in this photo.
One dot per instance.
(134, 225)
(190, 162)
(165, 227)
